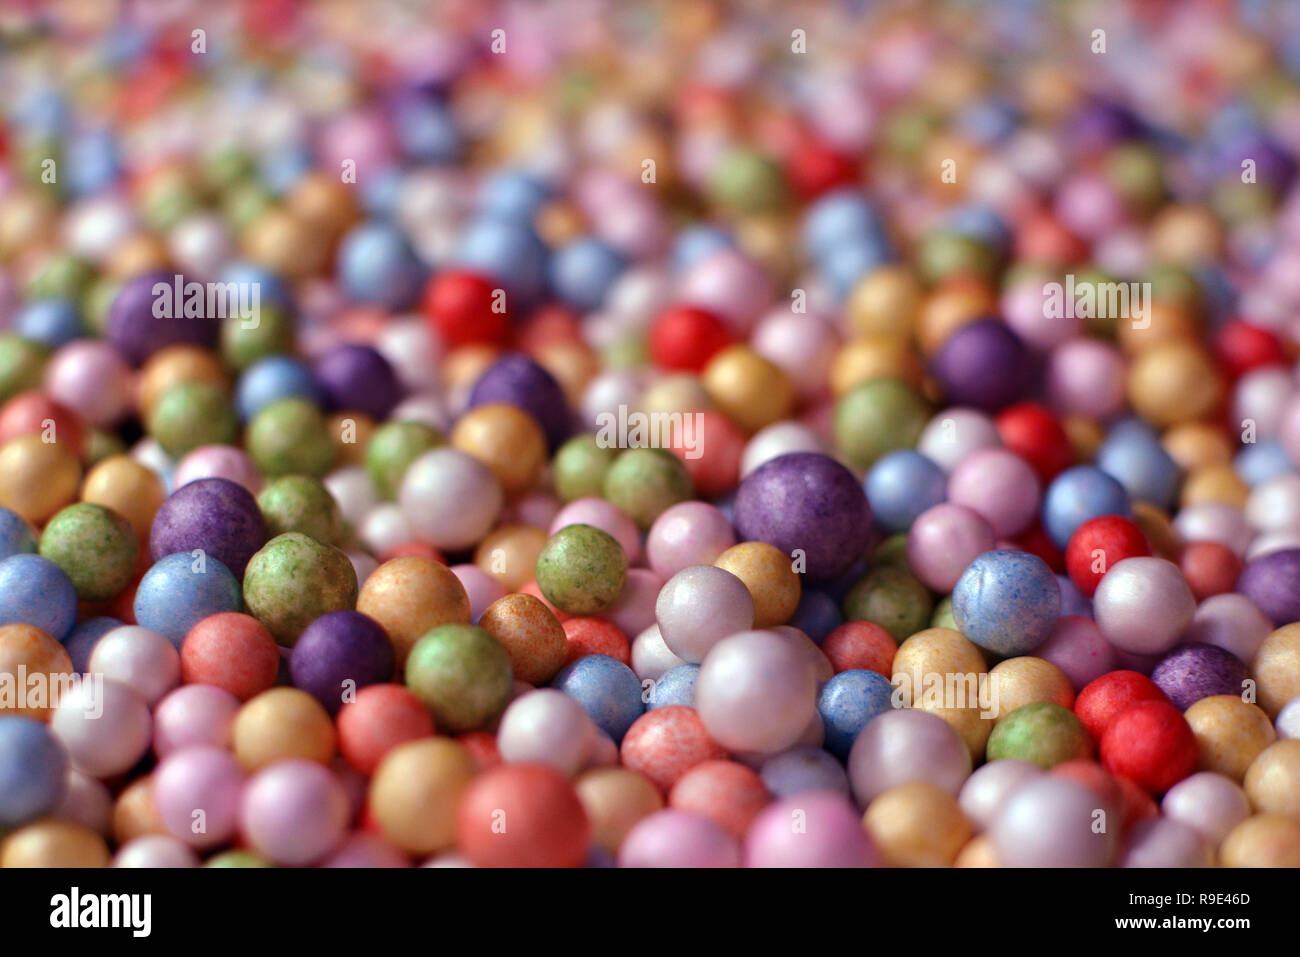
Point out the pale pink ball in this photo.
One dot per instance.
(92, 379)
(105, 726)
(688, 533)
(943, 541)
(139, 658)
(294, 812)
(1214, 522)
(219, 461)
(1232, 622)
(756, 691)
(366, 850)
(548, 727)
(1288, 431)
(1211, 804)
(197, 791)
(776, 440)
(86, 801)
(155, 850)
(813, 829)
(955, 434)
(899, 747)
(1077, 647)
(481, 588)
(730, 285)
(1023, 307)
(1000, 486)
(700, 606)
(651, 658)
(1086, 377)
(988, 788)
(194, 714)
(354, 491)
(672, 838)
(1161, 842)
(635, 609)
(803, 345)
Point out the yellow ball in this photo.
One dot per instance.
(51, 843)
(507, 440)
(1273, 779)
(137, 255)
(1214, 484)
(1231, 733)
(351, 433)
(1165, 322)
(28, 650)
(462, 367)
(871, 356)
(285, 243)
(1265, 840)
(930, 657)
(416, 790)
(324, 203)
(769, 575)
(509, 554)
(411, 595)
(282, 723)
(169, 367)
(615, 799)
(917, 825)
(885, 300)
(37, 478)
(676, 393)
(1195, 445)
(1174, 382)
(1185, 235)
(131, 489)
(749, 389)
(978, 852)
(1277, 669)
(970, 724)
(1017, 682)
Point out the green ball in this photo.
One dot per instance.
(95, 547)
(579, 468)
(293, 580)
(1041, 733)
(876, 418)
(237, 859)
(300, 503)
(944, 255)
(626, 352)
(192, 414)
(243, 203)
(892, 551)
(97, 301)
(581, 570)
(892, 598)
(391, 450)
(64, 277)
(21, 365)
(290, 436)
(463, 676)
(748, 182)
(645, 483)
(245, 340)
(942, 617)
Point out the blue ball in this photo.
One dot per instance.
(1078, 494)
(376, 264)
(33, 770)
(848, 703)
(1257, 463)
(16, 536)
(1007, 601)
(901, 486)
(1133, 455)
(180, 590)
(841, 217)
(696, 243)
(84, 637)
(51, 322)
(427, 131)
(1073, 601)
(92, 162)
(35, 591)
(608, 690)
(843, 266)
(513, 195)
(280, 169)
(380, 191)
(818, 614)
(803, 769)
(980, 223)
(582, 272)
(271, 379)
(270, 287)
(675, 686)
(510, 253)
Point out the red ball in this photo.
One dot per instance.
(665, 743)
(1210, 568)
(482, 747)
(35, 413)
(465, 308)
(1031, 431)
(1119, 791)
(595, 636)
(1036, 541)
(1241, 347)
(814, 168)
(685, 338)
(232, 651)
(1097, 545)
(1153, 744)
(1103, 699)
(380, 718)
(522, 815)
(861, 645)
(549, 325)
(711, 451)
(725, 792)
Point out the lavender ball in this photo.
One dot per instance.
(803, 769)
(137, 333)
(217, 515)
(810, 502)
(521, 382)
(356, 378)
(1194, 671)
(1272, 582)
(983, 364)
(338, 652)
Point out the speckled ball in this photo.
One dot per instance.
(214, 514)
(1194, 671)
(1007, 602)
(462, 674)
(293, 580)
(582, 569)
(94, 546)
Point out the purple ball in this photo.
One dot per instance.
(807, 501)
(983, 364)
(356, 378)
(137, 333)
(1272, 582)
(340, 647)
(519, 381)
(214, 514)
(1194, 671)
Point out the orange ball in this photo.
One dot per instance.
(507, 440)
(509, 554)
(131, 489)
(51, 843)
(416, 792)
(769, 575)
(545, 823)
(35, 652)
(282, 723)
(751, 390)
(615, 799)
(531, 635)
(134, 813)
(725, 792)
(409, 597)
(1174, 382)
(37, 478)
(174, 365)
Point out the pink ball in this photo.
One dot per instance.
(1288, 431)
(635, 609)
(1022, 305)
(194, 779)
(1161, 842)
(218, 461)
(1261, 395)
(92, 379)
(294, 812)
(813, 829)
(689, 533)
(141, 659)
(988, 788)
(802, 345)
(1211, 804)
(1143, 605)
(943, 541)
(730, 285)
(194, 714)
(1077, 647)
(1047, 822)
(105, 726)
(756, 691)
(700, 606)
(366, 850)
(1086, 377)
(361, 136)
(481, 588)
(155, 850)
(955, 434)
(608, 518)
(999, 485)
(899, 747)
(671, 838)
(532, 508)
(1088, 206)
(548, 727)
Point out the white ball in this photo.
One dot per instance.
(756, 692)
(139, 658)
(548, 727)
(450, 498)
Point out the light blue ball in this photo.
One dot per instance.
(803, 769)
(1078, 494)
(675, 686)
(696, 243)
(271, 379)
(376, 264)
(843, 266)
(508, 252)
(1007, 602)
(180, 590)
(1255, 464)
(33, 770)
(16, 536)
(92, 162)
(901, 486)
(1132, 454)
(608, 690)
(841, 217)
(51, 322)
(848, 703)
(270, 287)
(35, 591)
(513, 195)
(582, 272)
(1073, 601)
(427, 131)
